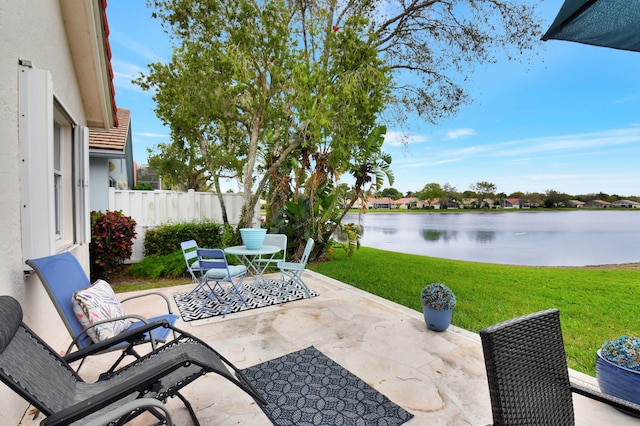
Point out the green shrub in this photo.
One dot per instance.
(156, 266)
(166, 239)
(112, 235)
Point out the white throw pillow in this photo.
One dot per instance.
(96, 303)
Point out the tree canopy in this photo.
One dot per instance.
(288, 96)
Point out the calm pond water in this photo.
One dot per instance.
(564, 238)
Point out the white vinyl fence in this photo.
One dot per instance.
(153, 208)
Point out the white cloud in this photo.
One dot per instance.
(470, 150)
(416, 164)
(124, 73)
(460, 133)
(151, 135)
(395, 138)
(626, 99)
(136, 47)
(576, 142)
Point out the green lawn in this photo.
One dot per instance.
(595, 304)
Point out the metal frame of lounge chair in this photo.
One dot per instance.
(62, 275)
(292, 272)
(528, 376)
(38, 374)
(129, 408)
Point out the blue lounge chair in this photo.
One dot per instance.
(62, 276)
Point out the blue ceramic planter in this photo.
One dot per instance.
(253, 238)
(437, 320)
(617, 381)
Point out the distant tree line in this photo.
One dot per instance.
(485, 194)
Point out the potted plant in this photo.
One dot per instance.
(618, 368)
(253, 237)
(438, 301)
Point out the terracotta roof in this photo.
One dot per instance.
(114, 139)
(108, 48)
(379, 200)
(405, 200)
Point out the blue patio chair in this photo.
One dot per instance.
(278, 240)
(190, 253)
(292, 272)
(62, 276)
(214, 267)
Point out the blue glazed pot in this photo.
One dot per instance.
(253, 238)
(437, 320)
(617, 380)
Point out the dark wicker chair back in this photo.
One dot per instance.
(527, 371)
(528, 377)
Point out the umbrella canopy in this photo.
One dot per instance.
(607, 23)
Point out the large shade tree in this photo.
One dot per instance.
(287, 95)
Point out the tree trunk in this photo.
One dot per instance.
(223, 207)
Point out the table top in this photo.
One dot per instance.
(244, 251)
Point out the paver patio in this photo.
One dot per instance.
(438, 377)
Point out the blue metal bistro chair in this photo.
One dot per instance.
(190, 253)
(214, 267)
(292, 272)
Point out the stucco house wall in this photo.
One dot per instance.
(99, 178)
(42, 35)
(111, 160)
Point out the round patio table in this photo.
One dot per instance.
(249, 257)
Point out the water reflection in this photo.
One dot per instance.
(432, 234)
(567, 238)
(483, 237)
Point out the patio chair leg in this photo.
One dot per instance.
(211, 295)
(289, 283)
(195, 290)
(187, 404)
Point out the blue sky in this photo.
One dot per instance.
(569, 121)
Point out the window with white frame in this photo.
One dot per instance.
(57, 179)
(63, 188)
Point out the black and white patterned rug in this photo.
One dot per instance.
(267, 294)
(308, 388)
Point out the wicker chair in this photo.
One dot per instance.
(528, 376)
(38, 374)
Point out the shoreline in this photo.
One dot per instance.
(634, 265)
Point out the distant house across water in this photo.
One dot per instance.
(597, 204)
(625, 204)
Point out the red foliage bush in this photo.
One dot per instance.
(112, 235)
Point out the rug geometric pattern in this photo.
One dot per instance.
(267, 294)
(308, 388)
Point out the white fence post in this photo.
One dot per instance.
(154, 208)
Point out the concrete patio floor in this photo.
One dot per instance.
(438, 377)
